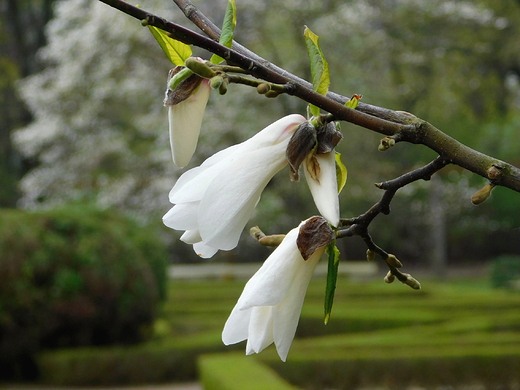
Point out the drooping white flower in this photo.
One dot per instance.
(214, 201)
(269, 308)
(185, 120)
(323, 184)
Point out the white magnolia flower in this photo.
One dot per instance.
(185, 120)
(269, 308)
(324, 186)
(214, 201)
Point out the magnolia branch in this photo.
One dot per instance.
(358, 226)
(401, 127)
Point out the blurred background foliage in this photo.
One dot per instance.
(75, 276)
(88, 123)
(85, 165)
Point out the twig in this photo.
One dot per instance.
(405, 127)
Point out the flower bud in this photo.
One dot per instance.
(272, 94)
(256, 233)
(199, 68)
(314, 233)
(412, 282)
(263, 88)
(481, 195)
(389, 278)
(394, 261)
(300, 145)
(386, 143)
(216, 82)
(371, 255)
(272, 241)
(222, 89)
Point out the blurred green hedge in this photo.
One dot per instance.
(74, 276)
(505, 270)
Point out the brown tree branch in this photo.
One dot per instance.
(401, 126)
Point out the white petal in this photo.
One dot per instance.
(182, 216)
(237, 326)
(231, 197)
(325, 189)
(287, 313)
(203, 250)
(185, 120)
(191, 237)
(279, 131)
(271, 283)
(183, 180)
(260, 333)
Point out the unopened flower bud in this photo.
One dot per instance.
(263, 88)
(256, 233)
(386, 143)
(389, 278)
(314, 233)
(199, 68)
(412, 282)
(371, 255)
(222, 89)
(272, 94)
(394, 261)
(272, 241)
(481, 195)
(216, 82)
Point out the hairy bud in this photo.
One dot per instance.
(389, 278)
(272, 94)
(302, 142)
(394, 261)
(216, 82)
(314, 233)
(199, 68)
(386, 143)
(412, 282)
(481, 195)
(222, 89)
(263, 88)
(272, 241)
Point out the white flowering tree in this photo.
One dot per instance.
(213, 202)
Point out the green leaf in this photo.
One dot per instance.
(353, 102)
(228, 29)
(332, 276)
(176, 51)
(319, 67)
(341, 172)
(315, 111)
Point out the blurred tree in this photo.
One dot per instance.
(100, 131)
(22, 25)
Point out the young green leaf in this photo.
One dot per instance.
(319, 66)
(176, 51)
(341, 172)
(332, 276)
(228, 29)
(353, 102)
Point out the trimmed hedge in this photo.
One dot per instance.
(487, 371)
(165, 360)
(74, 276)
(238, 372)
